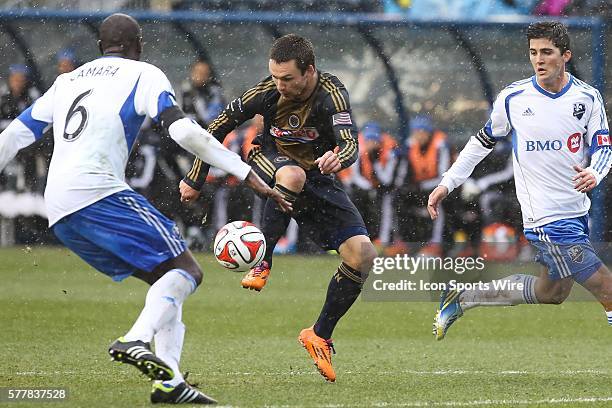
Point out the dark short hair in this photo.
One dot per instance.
(293, 47)
(552, 30)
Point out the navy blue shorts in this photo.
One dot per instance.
(121, 234)
(565, 249)
(323, 210)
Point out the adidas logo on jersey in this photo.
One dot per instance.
(528, 112)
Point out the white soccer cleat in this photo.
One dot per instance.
(449, 311)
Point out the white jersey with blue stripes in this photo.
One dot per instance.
(96, 112)
(551, 132)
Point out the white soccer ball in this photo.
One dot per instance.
(239, 246)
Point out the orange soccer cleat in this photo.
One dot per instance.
(257, 277)
(320, 350)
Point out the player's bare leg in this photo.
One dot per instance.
(358, 255)
(289, 181)
(600, 285)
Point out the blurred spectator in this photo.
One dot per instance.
(370, 179)
(465, 9)
(486, 198)
(22, 181)
(66, 61)
(595, 8)
(427, 157)
(230, 199)
(362, 6)
(233, 200)
(202, 96)
(19, 95)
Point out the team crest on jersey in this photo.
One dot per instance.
(579, 109)
(576, 253)
(573, 142)
(281, 159)
(294, 121)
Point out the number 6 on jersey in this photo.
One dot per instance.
(72, 117)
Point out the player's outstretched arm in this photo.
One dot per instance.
(191, 137)
(435, 198)
(14, 138)
(476, 149)
(27, 128)
(235, 113)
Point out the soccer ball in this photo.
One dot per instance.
(239, 246)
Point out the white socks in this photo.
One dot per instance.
(162, 305)
(609, 315)
(508, 291)
(169, 345)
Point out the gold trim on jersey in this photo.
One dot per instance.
(195, 170)
(251, 93)
(220, 121)
(337, 97)
(262, 162)
(351, 146)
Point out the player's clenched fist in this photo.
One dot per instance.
(329, 163)
(435, 198)
(188, 194)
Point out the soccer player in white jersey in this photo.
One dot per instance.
(561, 151)
(96, 112)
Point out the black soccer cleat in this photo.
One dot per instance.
(184, 393)
(139, 354)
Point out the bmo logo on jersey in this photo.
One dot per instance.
(573, 144)
(543, 145)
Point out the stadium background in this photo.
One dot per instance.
(449, 67)
(395, 65)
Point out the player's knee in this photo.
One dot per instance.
(361, 258)
(196, 273)
(369, 254)
(291, 177)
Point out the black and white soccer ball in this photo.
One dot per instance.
(239, 246)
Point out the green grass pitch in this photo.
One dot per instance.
(57, 317)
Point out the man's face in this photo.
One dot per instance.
(547, 60)
(17, 82)
(421, 136)
(64, 65)
(289, 80)
(372, 145)
(200, 74)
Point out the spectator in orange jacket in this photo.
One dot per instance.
(370, 178)
(427, 158)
